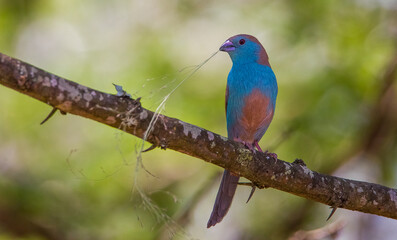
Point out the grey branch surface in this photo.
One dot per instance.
(129, 116)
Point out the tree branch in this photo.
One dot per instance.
(129, 116)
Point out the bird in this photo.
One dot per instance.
(251, 94)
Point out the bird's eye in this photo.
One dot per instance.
(241, 42)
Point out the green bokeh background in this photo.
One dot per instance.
(72, 178)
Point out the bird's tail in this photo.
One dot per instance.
(223, 198)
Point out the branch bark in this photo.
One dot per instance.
(129, 116)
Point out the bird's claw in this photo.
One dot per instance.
(248, 145)
(273, 155)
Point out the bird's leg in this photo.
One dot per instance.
(257, 146)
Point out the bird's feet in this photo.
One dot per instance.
(250, 146)
(273, 155)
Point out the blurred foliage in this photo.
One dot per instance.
(72, 178)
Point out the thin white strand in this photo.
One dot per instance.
(159, 213)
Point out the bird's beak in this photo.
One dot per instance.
(227, 46)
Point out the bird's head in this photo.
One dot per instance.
(245, 48)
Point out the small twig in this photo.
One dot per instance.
(332, 213)
(49, 115)
(246, 184)
(252, 190)
(251, 193)
(150, 148)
